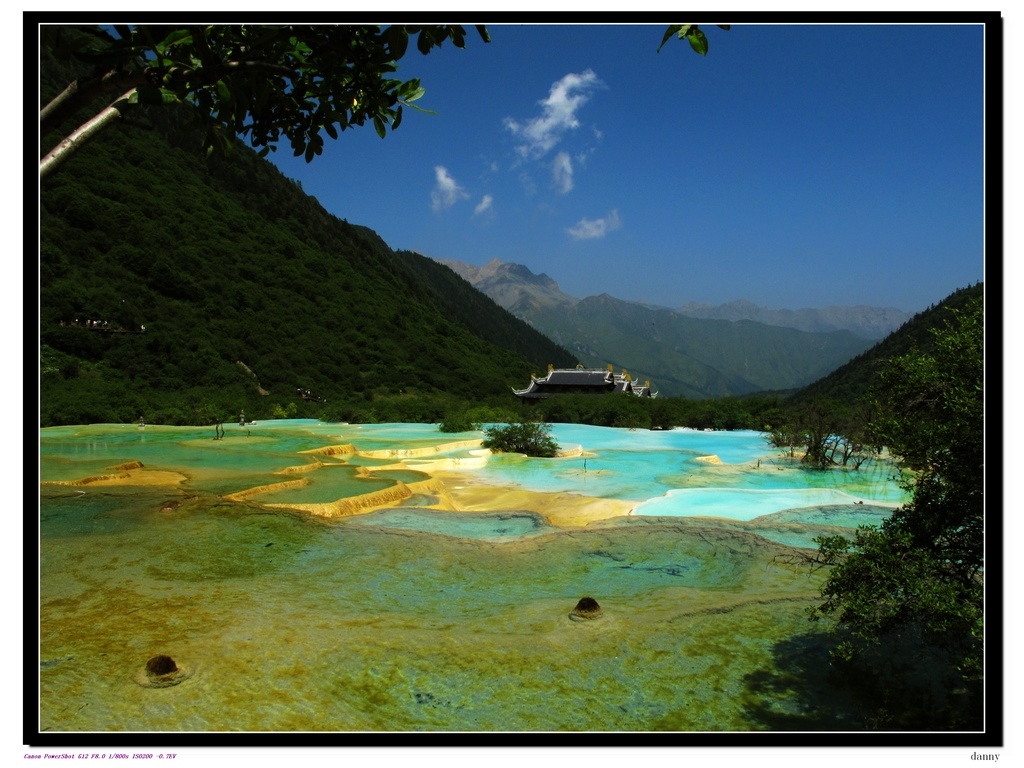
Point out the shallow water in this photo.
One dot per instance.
(416, 619)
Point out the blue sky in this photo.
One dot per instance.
(793, 166)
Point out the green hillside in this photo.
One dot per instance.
(852, 381)
(185, 289)
(694, 357)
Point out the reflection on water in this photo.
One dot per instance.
(412, 616)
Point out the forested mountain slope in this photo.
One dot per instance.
(681, 355)
(852, 381)
(185, 289)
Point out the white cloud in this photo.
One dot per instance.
(588, 229)
(558, 114)
(486, 204)
(561, 172)
(529, 187)
(446, 191)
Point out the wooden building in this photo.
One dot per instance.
(580, 380)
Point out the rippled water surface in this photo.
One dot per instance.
(408, 616)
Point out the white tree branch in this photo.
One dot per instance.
(80, 136)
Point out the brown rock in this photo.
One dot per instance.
(161, 665)
(586, 609)
(161, 672)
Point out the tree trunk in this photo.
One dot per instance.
(80, 136)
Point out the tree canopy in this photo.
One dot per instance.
(529, 437)
(263, 82)
(919, 578)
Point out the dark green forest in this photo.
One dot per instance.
(184, 289)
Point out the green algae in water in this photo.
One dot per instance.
(497, 526)
(354, 629)
(408, 618)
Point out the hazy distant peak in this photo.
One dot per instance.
(521, 291)
(512, 286)
(869, 322)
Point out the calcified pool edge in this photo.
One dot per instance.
(397, 620)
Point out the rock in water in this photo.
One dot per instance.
(162, 672)
(586, 609)
(161, 665)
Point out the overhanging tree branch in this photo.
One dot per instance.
(79, 93)
(81, 135)
(262, 82)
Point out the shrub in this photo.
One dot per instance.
(531, 438)
(457, 422)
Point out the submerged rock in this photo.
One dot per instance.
(162, 672)
(586, 609)
(161, 665)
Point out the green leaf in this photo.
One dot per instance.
(672, 30)
(382, 130)
(423, 42)
(410, 90)
(177, 37)
(331, 130)
(698, 41)
(148, 94)
(397, 41)
(458, 36)
(398, 118)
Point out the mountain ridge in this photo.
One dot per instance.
(682, 355)
(864, 320)
(511, 284)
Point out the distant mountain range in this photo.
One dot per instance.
(694, 350)
(517, 289)
(870, 322)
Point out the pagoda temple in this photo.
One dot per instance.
(580, 380)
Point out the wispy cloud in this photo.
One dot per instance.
(486, 204)
(589, 229)
(561, 172)
(540, 134)
(446, 191)
(527, 183)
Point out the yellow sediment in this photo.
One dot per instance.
(127, 465)
(407, 453)
(565, 510)
(431, 465)
(131, 477)
(333, 450)
(301, 468)
(241, 495)
(712, 459)
(567, 453)
(368, 502)
(451, 484)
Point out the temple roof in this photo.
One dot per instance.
(580, 379)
